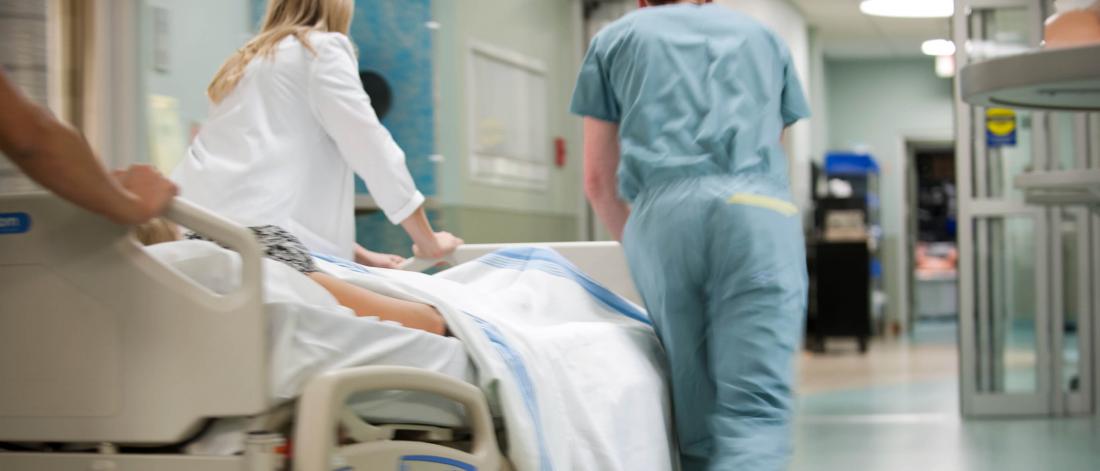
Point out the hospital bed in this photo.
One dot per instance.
(110, 360)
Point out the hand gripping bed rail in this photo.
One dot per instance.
(319, 411)
(423, 264)
(232, 235)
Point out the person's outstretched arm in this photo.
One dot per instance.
(601, 181)
(345, 112)
(58, 158)
(427, 243)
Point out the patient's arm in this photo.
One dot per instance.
(368, 303)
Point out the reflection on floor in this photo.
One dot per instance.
(897, 409)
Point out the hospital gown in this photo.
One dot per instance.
(701, 95)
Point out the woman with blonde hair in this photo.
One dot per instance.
(289, 126)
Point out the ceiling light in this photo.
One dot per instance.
(945, 66)
(908, 8)
(938, 47)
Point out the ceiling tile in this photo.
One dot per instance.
(846, 32)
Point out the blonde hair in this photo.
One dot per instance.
(284, 18)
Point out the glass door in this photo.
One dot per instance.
(1004, 298)
(1027, 271)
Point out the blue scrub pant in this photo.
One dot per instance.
(721, 266)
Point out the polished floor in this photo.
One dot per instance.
(897, 409)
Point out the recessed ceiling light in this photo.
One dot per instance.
(945, 66)
(908, 8)
(938, 47)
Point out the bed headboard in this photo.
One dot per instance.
(101, 343)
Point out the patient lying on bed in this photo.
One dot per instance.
(283, 247)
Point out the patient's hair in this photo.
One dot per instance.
(284, 18)
(157, 231)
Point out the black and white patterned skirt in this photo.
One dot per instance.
(279, 245)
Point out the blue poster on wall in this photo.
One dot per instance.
(395, 62)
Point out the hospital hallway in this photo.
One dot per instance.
(898, 409)
(549, 235)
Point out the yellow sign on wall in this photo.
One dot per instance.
(1000, 127)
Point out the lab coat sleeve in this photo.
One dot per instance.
(794, 106)
(594, 97)
(345, 112)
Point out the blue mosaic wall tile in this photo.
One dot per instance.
(394, 42)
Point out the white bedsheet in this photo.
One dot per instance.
(574, 370)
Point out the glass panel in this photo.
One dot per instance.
(1005, 163)
(1063, 143)
(1094, 140)
(1007, 335)
(1001, 32)
(1071, 308)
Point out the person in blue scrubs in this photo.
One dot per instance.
(685, 105)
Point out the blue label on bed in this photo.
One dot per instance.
(14, 223)
(432, 463)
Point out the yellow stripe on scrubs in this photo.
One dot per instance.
(766, 202)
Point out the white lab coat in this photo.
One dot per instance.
(282, 147)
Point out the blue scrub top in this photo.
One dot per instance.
(696, 90)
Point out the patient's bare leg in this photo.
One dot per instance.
(368, 303)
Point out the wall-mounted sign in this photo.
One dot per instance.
(1000, 127)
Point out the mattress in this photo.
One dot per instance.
(310, 333)
(314, 344)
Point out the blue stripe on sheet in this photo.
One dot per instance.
(343, 263)
(551, 262)
(523, 378)
(410, 460)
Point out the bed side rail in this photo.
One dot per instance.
(99, 342)
(320, 411)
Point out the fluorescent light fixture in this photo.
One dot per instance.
(908, 8)
(938, 47)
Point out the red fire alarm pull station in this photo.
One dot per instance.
(559, 152)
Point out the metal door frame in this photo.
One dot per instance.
(980, 343)
(978, 366)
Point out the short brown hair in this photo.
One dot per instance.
(157, 231)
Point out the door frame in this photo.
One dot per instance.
(978, 365)
(906, 276)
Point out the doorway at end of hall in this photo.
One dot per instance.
(932, 247)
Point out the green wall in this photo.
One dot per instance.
(548, 31)
(198, 44)
(878, 104)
